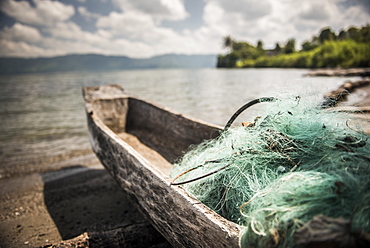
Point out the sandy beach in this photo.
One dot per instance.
(74, 196)
(43, 208)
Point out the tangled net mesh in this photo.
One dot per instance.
(296, 162)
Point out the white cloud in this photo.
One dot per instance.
(69, 31)
(133, 26)
(316, 11)
(87, 14)
(52, 46)
(248, 9)
(278, 20)
(176, 9)
(136, 28)
(20, 32)
(20, 49)
(213, 14)
(349, 17)
(158, 9)
(45, 12)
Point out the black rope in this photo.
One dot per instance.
(197, 178)
(245, 106)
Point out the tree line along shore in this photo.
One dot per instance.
(349, 48)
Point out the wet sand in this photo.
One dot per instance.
(44, 208)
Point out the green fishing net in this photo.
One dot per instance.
(295, 162)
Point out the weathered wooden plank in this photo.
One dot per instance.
(182, 219)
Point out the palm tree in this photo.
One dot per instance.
(228, 42)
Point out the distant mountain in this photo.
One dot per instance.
(94, 62)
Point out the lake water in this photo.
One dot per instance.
(43, 118)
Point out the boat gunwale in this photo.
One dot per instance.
(228, 228)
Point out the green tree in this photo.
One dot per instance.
(238, 46)
(351, 48)
(365, 33)
(354, 34)
(326, 35)
(309, 45)
(228, 42)
(260, 45)
(289, 46)
(343, 35)
(244, 50)
(277, 49)
(228, 60)
(260, 50)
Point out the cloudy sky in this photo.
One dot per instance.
(144, 28)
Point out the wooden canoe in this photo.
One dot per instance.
(137, 141)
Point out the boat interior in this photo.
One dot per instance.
(159, 135)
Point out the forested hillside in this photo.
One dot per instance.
(348, 48)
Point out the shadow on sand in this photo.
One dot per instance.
(80, 199)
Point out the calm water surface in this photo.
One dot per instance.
(42, 115)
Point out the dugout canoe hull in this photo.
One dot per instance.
(137, 141)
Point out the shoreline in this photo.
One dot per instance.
(339, 72)
(74, 199)
(18, 167)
